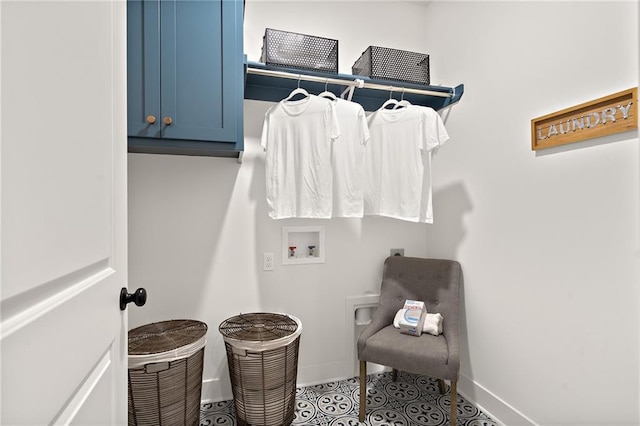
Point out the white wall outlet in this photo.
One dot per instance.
(396, 252)
(267, 261)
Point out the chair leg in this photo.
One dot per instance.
(363, 390)
(394, 375)
(441, 387)
(454, 403)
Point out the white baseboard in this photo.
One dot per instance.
(219, 389)
(491, 404)
(215, 390)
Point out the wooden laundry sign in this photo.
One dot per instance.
(601, 117)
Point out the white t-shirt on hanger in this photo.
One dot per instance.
(348, 159)
(297, 137)
(398, 162)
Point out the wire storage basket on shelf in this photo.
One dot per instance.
(165, 373)
(262, 351)
(393, 64)
(302, 51)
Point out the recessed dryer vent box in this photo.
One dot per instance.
(302, 244)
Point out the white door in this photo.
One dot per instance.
(63, 212)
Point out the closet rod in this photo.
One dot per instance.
(349, 83)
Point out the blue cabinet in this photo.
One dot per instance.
(185, 76)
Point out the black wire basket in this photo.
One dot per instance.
(300, 51)
(393, 64)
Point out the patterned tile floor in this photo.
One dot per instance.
(410, 401)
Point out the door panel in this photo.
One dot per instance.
(63, 217)
(62, 144)
(196, 48)
(95, 391)
(51, 366)
(143, 63)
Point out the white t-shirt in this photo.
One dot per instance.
(348, 159)
(297, 137)
(398, 162)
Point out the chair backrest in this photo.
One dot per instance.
(436, 282)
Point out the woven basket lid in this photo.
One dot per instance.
(258, 327)
(164, 336)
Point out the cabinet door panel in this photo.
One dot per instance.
(194, 48)
(143, 63)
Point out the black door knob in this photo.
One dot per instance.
(139, 297)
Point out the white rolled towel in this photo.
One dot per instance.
(432, 322)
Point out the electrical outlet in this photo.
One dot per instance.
(396, 252)
(267, 262)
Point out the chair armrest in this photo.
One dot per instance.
(381, 319)
(451, 334)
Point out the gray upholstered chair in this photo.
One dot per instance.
(437, 283)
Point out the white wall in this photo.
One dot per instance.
(548, 241)
(198, 226)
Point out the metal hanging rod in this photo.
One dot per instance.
(383, 87)
(358, 83)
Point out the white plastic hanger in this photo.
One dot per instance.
(298, 91)
(402, 103)
(327, 93)
(391, 101)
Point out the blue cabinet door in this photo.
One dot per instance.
(185, 74)
(143, 68)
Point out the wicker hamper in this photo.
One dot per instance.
(262, 350)
(165, 373)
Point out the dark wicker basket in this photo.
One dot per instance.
(393, 64)
(167, 389)
(262, 350)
